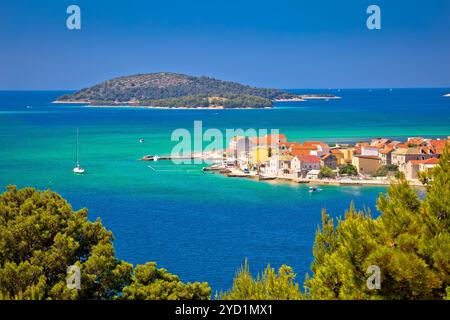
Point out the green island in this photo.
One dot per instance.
(41, 236)
(173, 90)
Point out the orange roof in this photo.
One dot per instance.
(386, 150)
(431, 161)
(393, 143)
(438, 145)
(401, 145)
(426, 161)
(308, 158)
(300, 152)
(316, 143)
(362, 144)
(290, 144)
(415, 140)
(336, 151)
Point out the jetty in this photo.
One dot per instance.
(157, 158)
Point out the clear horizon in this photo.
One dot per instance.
(283, 44)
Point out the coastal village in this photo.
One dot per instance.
(374, 162)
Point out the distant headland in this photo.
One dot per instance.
(173, 90)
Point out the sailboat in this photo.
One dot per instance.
(78, 169)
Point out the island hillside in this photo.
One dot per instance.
(172, 90)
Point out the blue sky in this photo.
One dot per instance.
(282, 43)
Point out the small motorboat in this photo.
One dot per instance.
(314, 189)
(141, 140)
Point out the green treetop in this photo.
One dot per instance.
(41, 236)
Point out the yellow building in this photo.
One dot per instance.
(347, 156)
(260, 154)
(366, 165)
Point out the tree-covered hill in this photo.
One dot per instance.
(183, 91)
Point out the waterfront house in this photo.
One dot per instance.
(413, 167)
(272, 168)
(330, 160)
(307, 163)
(296, 167)
(401, 156)
(279, 165)
(366, 165)
(284, 165)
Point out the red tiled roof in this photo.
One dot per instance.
(426, 161)
(438, 145)
(386, 150)
(300, 152)
(416, 140)
(362, 144)
(401, 145)
(393, 143)
(316, 143)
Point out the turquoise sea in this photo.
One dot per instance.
(200, 226)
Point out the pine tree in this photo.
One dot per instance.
(268, 286)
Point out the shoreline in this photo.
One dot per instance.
(236, 173)
(301, 98)
(88, 104)
(329, 182)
